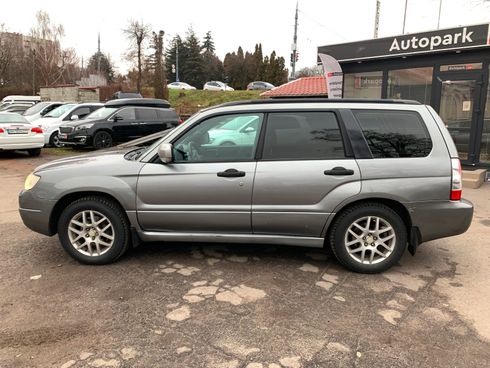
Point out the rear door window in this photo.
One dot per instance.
(146, 114)
(394, 134)
(303, 136)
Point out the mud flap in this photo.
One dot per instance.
(414, 240)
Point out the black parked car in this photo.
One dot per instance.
(120, 121)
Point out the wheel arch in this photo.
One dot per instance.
(64, 201)
(397, 206)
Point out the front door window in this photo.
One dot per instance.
(222, 138)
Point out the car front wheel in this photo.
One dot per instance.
(102, 139)
(368, 238)
(94, 230)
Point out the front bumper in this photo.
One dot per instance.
(440, 219)
(36, 212)
(76, 138)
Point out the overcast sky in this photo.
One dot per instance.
(240, 23)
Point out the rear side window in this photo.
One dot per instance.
(394, 134)
(146, 114)
(302, 136)
(166, 114)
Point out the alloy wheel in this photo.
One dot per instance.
(91, 233)
(370, 240)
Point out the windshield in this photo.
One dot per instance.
(237, 123)
(101, 113)
(56, 113)
(12, 118)
(36, 108)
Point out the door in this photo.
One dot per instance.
(303, 174)
(207, 188)
(458, 105)
(125, 126)
(147, 121)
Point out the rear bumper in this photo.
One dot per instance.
(21, 143)
(440, 219)
(36, 212)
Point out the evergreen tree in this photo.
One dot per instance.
(191, 61)
(208, 43)
(106, 67)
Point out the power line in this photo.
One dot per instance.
(322, 25)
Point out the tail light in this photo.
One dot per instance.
(2, 131)
(37, 130)
(456, 180)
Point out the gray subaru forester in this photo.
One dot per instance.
(366, 178)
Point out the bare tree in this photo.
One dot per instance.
(137, 33)
(49, 59)
(5, 55)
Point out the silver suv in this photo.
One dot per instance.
(368, 179)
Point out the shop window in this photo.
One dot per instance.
(410, 84)
(485, 138)
(363, 85)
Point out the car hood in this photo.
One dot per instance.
(105, 162)
(76, 123)
(47, 121)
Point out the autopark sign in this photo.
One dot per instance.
(416, 43)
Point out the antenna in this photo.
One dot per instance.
(294, 48)
(376, 18)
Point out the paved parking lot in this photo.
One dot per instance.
(196, 305)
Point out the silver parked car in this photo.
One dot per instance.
(367, 178)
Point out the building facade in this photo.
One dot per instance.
(447, 69)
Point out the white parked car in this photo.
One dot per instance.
(16, 133)
(50, 123)
(217, 86)
(40, 109)
(238, 131)
(180, 85)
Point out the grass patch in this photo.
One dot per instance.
(63, 151)
(188, 102)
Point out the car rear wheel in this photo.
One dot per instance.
(94, 230)
(34, 152)
(54, 140)
(102, 139)
(368, 238)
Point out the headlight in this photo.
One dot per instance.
(84, 126)
(31, 181)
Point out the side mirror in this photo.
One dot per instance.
(165, 153)
(74, 117)
(249, 129)
(117, 118)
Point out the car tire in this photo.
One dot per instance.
(368, 247)
(102, 139)
(54, 140)
(34, 152)
(86, 226)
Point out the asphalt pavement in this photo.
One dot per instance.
(207, 305)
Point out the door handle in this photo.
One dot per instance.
(134, 123)
(231, 173)
(339, 171)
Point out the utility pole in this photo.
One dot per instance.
(439, 16)
(294, 45)
(404, 16)
(33, 71)
(177, 62)
(376, 18)
(98, 54)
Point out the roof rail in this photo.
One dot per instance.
(317, 100)
(143, 102)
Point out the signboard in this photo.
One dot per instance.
(367, 82)
(409, 44)
(333, 75)
(458, 67)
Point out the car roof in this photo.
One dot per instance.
(143, 102)
(318, 100)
